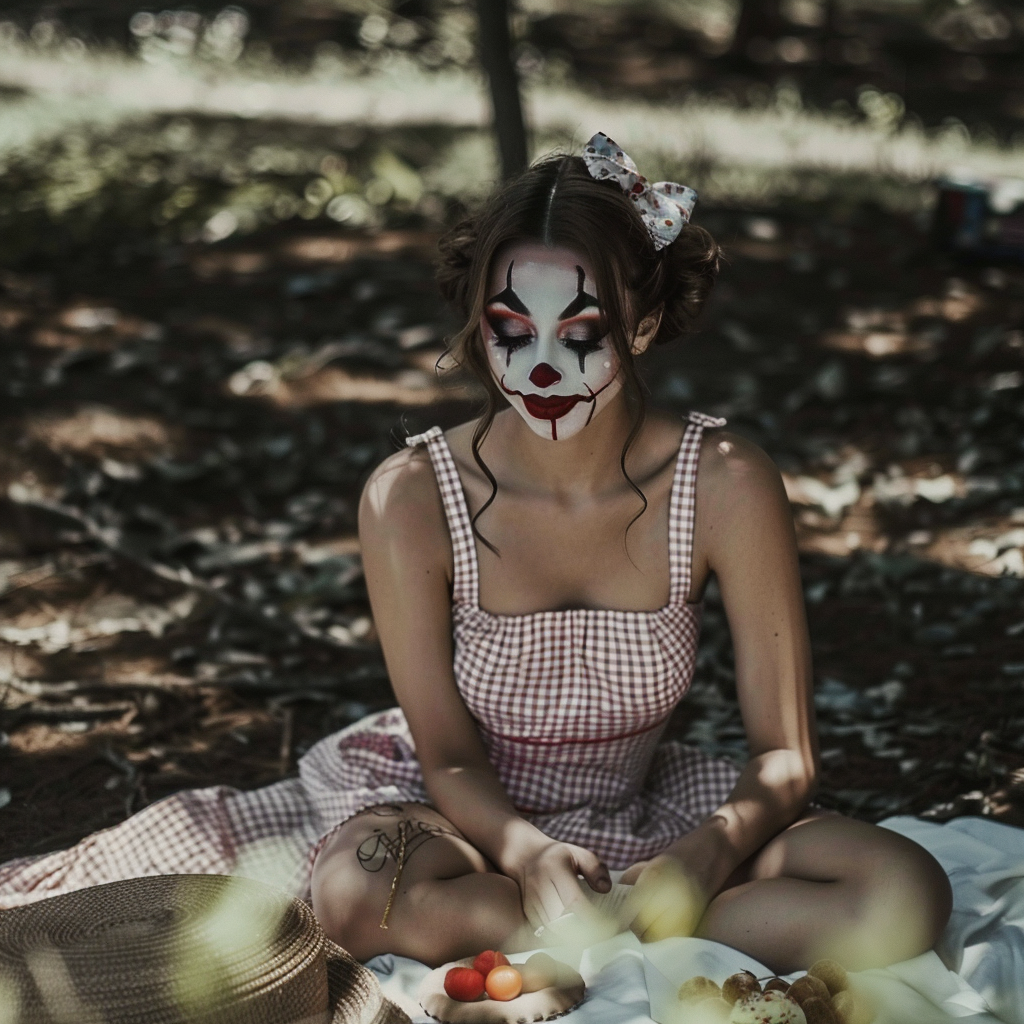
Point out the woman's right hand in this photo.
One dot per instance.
(548, 877)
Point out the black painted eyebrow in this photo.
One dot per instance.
(582, 300)
(509, 297)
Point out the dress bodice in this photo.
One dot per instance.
(571, 703)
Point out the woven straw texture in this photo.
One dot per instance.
(180, 949)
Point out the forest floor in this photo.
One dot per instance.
(185, 436)
(213, 328)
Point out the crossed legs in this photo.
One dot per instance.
(449, 902)
(827, 886)
(831, 886)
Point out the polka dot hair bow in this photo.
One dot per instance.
(664, 206)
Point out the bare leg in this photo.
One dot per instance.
(833, 887)
(449, 903)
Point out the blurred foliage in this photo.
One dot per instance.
(916, 49)
(182, 180)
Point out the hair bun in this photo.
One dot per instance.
(456, 250)
(690, 267)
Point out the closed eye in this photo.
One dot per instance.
(582, 346)
(512, 342)
(511, 332)
(582, 335)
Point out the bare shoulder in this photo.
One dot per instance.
(743, 515)
(401, 507)
(735, 475)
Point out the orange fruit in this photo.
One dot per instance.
(504, 983)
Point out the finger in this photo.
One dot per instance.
(656, 920)
(592, 868)
(569, 890)
(656, 928)
(632, 873)
(640, 920)
(532, 908)
(649, 923)
(552, 903)
(646, 903)
(534, 915)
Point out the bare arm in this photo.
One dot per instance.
(407, 557)
(750, 545)
(747, 539)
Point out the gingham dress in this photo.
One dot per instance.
(571, 706)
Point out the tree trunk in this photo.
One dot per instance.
(496, 58)
(758, 19)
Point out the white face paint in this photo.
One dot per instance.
(545, 339)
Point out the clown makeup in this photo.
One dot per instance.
(547, 341)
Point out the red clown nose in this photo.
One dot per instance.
(543, 375)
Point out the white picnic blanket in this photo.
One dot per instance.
(977, 972)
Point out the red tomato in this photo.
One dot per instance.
(488, 960)
(504, 983)
(464, 984)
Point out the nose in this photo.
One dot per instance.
(544, 375)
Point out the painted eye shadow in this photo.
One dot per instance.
(511, 332)
(580, 332)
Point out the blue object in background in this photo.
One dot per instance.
(981, 220)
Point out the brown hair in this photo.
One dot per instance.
(558, 203)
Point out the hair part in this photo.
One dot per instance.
(546, 232)
(558, 203)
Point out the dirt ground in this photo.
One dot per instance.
(186, 423)
(183, 602)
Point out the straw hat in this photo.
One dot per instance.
(180, 949)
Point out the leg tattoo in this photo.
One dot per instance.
(399, 844)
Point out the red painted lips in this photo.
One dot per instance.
(553, 407)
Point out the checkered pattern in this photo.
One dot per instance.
(265, 834)
(571, 706)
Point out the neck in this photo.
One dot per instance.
(585, 464)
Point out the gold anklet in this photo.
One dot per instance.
(400, 863)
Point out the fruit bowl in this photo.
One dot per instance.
(548, 1003)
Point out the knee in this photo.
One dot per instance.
(914, 884)
(343, 904)
(929, 890)
(904, 902)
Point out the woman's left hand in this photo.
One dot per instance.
(632, 873)
(667, 899)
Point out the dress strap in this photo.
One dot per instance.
(466, 575)
(683, 506)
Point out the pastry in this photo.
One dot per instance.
(852, 1008)
(738, 986)
(767, 1008)
(698, 987)
(809, 987)
(819, 1011)
(832, 974)
(710, 1010)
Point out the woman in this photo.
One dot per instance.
(536, 578)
